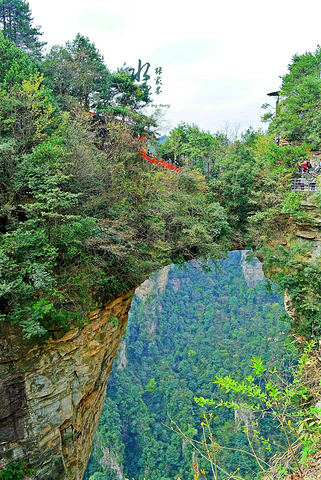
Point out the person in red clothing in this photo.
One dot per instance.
(309, 165)
(305, 166)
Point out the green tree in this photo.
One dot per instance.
(234, 183)
(16, 26)
(187, 143)
(172, 351)
(298, 113)
(15, 65)
(77, 70)
(290, 396)
(27, 113)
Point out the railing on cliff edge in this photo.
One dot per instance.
(159, 161)
(156, 161)
(304, 185)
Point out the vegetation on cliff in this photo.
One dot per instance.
(251, 178)
(83, 217)
(298, 111)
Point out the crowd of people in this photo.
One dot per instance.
(305, 166)
(307, 174)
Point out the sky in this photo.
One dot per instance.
(219, 59)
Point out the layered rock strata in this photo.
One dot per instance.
(306, 233)
(51, 395)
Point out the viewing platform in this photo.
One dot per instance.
(305, 184)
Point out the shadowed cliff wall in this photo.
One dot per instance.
(51, 396)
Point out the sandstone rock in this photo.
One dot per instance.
(157, 282)
(51, 395)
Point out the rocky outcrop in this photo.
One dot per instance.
(307, 233)
(157, 282)
(252, 270)
(122, 360)
(108, 460)
(51, 395)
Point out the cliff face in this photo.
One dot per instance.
(252, 271)
(156, 282)
(307, 233)
(51, 396)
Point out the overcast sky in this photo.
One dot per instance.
(219, 59)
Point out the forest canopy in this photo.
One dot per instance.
(83, 217)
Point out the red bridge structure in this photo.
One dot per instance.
(156, 161)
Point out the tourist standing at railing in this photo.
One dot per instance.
(302, 181)
(299, 165)
(309, 165)
(305, 166)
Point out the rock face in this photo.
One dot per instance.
(51, 396)
(157, 282)
(110, 461)
(252, 270)
(308, 234)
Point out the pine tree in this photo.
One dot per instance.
(16, 26)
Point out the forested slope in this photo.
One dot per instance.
(83, 217)
(83, 220)
(179, 338)
(252, 179)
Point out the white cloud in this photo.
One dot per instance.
(219, 59)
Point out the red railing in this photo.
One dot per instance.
(158, 161)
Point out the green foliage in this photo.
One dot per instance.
(15, 65)
(186, 144)
(77, 71)
(290, 397)
(27, 113)
(298, 113)
(270, 200)
(301, 279)
(292, 206)
(199, 325)
(16, 26)
(16, 470)
(151, 385)
(233, 186)
(84, 217)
